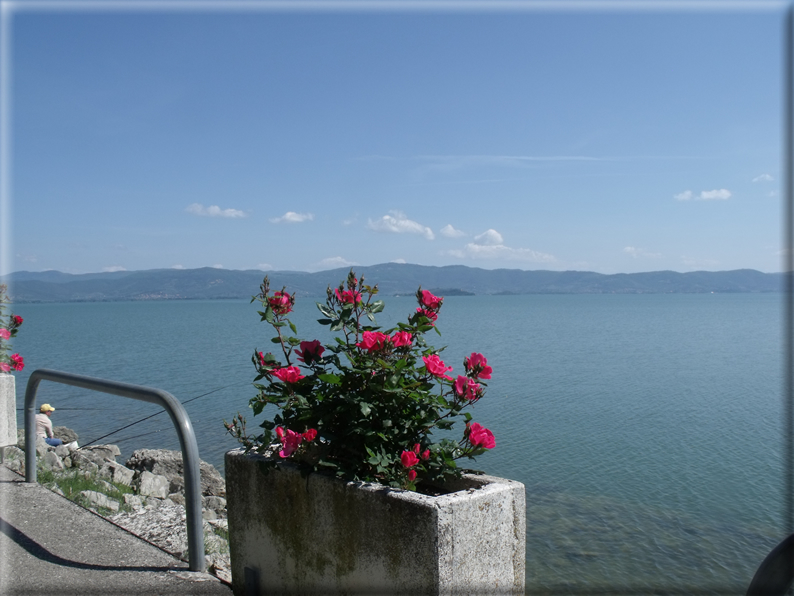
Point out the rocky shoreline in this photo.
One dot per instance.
(145, 495)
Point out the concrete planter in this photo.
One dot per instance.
(293, 535)
(8, 410)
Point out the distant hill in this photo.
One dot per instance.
(392, 278)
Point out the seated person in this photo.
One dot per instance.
(44, 425)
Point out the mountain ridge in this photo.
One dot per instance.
(208, 283)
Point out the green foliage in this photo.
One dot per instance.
(363, 407)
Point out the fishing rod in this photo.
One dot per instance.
(160, 412)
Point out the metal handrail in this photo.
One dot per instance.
(184, 429)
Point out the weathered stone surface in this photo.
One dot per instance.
(51, 461)
(99, 454)
(42, 447)
(133, 501)
(67, 435)
(164, 526)
(214, 503)
(153, 485)
(62, 451)
(8, 410)
(169, 464)
(117, 473)
(320, 534)
(99, 500)
(178, 498)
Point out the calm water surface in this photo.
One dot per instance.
(646, 428)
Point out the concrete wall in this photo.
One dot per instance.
(8, 410)
(319, 534)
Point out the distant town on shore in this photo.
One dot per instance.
(209, 283)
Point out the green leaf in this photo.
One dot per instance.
(377, 306)
(330, 378)
(294, 341)
(325, 310)
(293, 327)
(276, 340)
(370, 317)
(324, 321)
(338, 325)
(279, 324)
(269, 315)
(365, 408)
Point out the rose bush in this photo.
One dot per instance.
(9, 325)
(364, 406)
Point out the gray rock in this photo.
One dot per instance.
(41, 447)
(209, 514)
(214, 503)
(67, 462)
(153, 485)
(99, 454)
(67, 435)
(178, 498)
(169, 464)
(51, 461)
(133, 501)
(117, 473)
(62, 451)
(99, 500)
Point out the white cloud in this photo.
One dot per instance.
(719, 195)
(264, 266)
(213, 211)
(451, 232)
(218, 266)
(489, 237)
(490, 245)
(398, 261)
(641, 252)
(763, 178)
(292, 217)
(396, 222)
(178, 267)
(334, 263)
(113, 269)
(705, 195)
(27, 258)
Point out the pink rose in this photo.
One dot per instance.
(310, 351)
(425, 454)
(411, 475)
(290, 442)
(467, 388)
(4, 367)
(401, 338)
(281, 303)
(280, 432)
(477, 365)
(480, 436)
(429, 314)
(436, 367)
(372, 341)
(430, 301)
(261, 358)
(17, 362)
(348, 296)
(5, 333)
(17, 320)
(291, 374)
(310, 435)
(409, 459)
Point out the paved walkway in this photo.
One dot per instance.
(50, 546)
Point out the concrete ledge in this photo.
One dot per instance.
(8, 410)
(289, 534)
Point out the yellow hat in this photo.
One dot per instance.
(46, 408)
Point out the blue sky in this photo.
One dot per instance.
(602, 140)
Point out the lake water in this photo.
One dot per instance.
(646, 428)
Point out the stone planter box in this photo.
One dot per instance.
(8, 410)
(293, 535)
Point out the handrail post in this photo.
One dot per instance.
(184, 429)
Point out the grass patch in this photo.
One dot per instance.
(72, 483)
